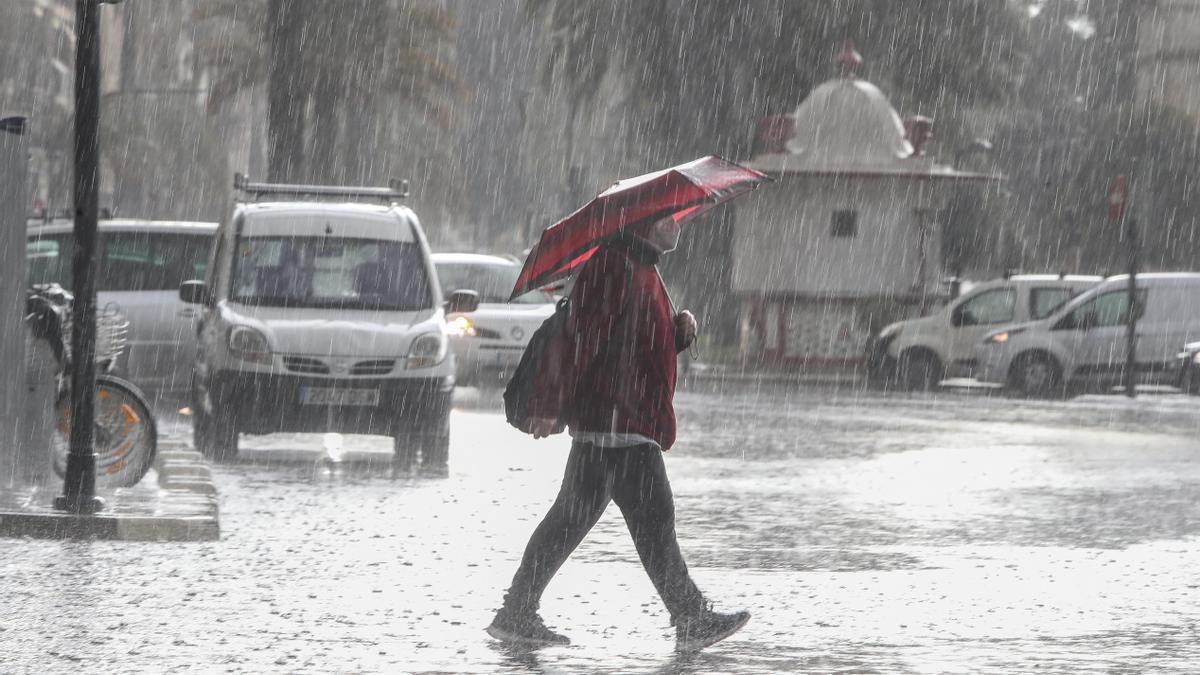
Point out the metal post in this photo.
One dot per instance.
(14, 177)
(79, 486)
(1131, 235)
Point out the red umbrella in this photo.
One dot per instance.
(682, 192)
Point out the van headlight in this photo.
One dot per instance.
(1003, 336)
(1196, 358)
(428, 350)
(249, 344)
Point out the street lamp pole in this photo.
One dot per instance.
(79, 485)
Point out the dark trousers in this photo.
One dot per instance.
(636, 479)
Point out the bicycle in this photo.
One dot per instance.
(125, 432)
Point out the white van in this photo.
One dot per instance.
(141, 264)
(322, 316)
(1084, 342)
(919, 353)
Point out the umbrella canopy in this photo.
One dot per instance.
(681, 192)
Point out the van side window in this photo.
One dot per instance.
(48, 260)
(1106, 309)
(1045, 301)
(844, 223)
(150, 261)
(989, 307)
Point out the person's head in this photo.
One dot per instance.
(662, 234)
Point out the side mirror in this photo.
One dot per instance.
(194, 293)
(462, 301)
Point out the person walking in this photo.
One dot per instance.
(621, 344)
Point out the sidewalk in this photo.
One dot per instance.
(177, 501)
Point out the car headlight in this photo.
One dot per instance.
(249, 344)
(1196, 358)
(1003, 336)
(460, 326)
(428, 350)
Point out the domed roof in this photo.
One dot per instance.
(847, 127)
(848, 123)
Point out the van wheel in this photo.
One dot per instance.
(1035, 376)
(215, 436)
(1191, 380)
(919, 371)
(432, 440)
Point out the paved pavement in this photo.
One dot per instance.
(953, 533)
(175, 501)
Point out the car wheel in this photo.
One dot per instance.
(1035, 376)
(919, 371)
(215, 436)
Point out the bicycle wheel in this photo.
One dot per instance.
(125, 435)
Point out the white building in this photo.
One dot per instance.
(847, 229)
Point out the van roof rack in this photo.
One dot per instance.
(394, 192)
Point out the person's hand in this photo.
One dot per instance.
(685, 327)
(541, 427)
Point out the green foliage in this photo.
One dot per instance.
(167, 159)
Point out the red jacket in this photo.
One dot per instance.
(614, 374)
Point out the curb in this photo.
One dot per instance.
(184, 474)
(718, 375)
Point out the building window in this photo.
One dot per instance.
(844, 223)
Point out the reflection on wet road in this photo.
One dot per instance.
(866, 533)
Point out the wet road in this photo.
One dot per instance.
(865, 533)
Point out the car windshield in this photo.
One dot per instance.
(330, 272)
(492, 281)
(129, 261)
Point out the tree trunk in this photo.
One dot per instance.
(287, 99)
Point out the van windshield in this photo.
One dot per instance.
(330, 272)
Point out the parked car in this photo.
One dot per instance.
(1083, 344)
(141, 264)
(1189, 369)
(918, 353)
(322, 313)
(489, 341)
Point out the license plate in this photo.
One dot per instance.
(333, 396)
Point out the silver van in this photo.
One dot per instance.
(141, 264)
(1083, 344)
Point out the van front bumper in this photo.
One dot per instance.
(264, 403)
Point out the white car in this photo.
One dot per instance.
(322, 316)
(141, 264)
(919, 353)
(1084, 343)
(489, 341)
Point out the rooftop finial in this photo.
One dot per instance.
(848, 60)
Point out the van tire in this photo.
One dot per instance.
(431, 438)
(919, 370)
(1035, 375)
(215, 436)
(1191, 380)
